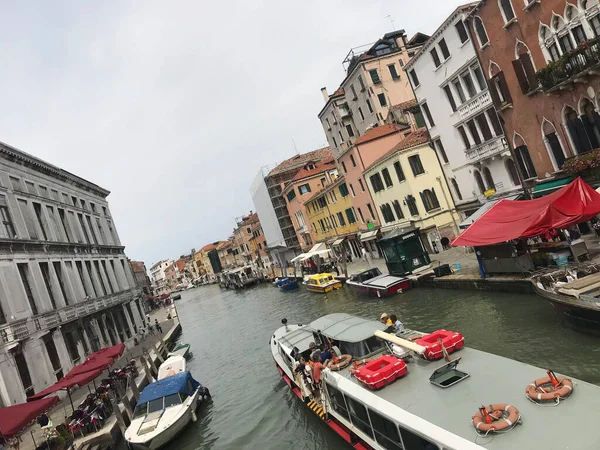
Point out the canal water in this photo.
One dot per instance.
(253, 408)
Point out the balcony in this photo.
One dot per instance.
(486, 149)
(22, 329)
(475, 105)
(344, 110)
(570, 68)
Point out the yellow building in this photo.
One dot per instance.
(333, 217)
(409, 189)
(199, 262)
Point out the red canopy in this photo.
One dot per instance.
(14, 419)
(108, 352)
(66, 382)
(512, 219)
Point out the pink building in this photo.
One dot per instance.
(367, 149)
(313, 177)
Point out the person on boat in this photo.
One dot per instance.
(316, 375)
(385, 319)
(325, 354)
(397, 324)
(314, 350)
(305, 370)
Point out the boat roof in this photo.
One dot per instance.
(168, 386)
(383, 281)
(299, 338)
(492, 380)
(320, 275)
(345, 327)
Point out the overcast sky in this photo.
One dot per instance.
(174, 106)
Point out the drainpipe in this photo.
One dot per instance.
(450, 209)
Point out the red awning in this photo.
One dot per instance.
(14, 419)
(67, 382)
(108, 352)
(513, 219)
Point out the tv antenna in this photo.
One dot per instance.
(295, 147)
(391, 21)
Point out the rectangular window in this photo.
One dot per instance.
(381, 98)
(304, 189)
(441, 150)
(491, 112)
(338, 403)
(54, 195)
(376, 182)
(370, 208)
(459, 90)
(579, 34)
(427, 113)
(565, 43)
(61, 282)
(387, 178)
(334, 141)
(414, 78)
(8, 229)
(450, 97)
(291, 195)
(479, 77)
(358, 416)
(412, 440)
(45, 269)
(99, 275)
(350, 216)
(74, 200)
(37, 208)
(88, 266)
(343, 190)
(398, 209)
(83, 205)
(352, 190)
(463, 135)
(393, 73)
(595, 22)
(360, 113)
(474, 133)
(85, 233)
(387, 213)
(554, 53)
(341, 219)
(468, 81)
(444, 48)
(415, 165)
(399, 171)
(30, 188)
(362, 83)
(369, 106)
(362, 219)
(484, 127)
(54, 223)
(362, 185)
(374, 76)
(435, 57)
(462, 31)
(43, 191)
(354, 96)
(386, 431)
(349, 130)
(15, 184)
(24, 274)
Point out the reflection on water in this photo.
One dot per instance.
(253, 408)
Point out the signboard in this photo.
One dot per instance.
(489, 192)
(370, 225)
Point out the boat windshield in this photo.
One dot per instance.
(172, 400)
(363, 348)
(155, 405)
(140, 410)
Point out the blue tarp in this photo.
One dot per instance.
(180, 382)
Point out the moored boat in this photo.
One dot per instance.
(322, 283)
(376, 284)
(173, 365)
(164, 409)
(287, 284)
(180, 349)
(393, 397)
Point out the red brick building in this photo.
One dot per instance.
(541, 61)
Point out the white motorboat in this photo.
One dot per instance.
(180, 350)
(173, 365)
(164, 409)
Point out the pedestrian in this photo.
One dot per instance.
(364, 254)
(148, 319)
(157, 325)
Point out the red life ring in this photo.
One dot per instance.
(342, 362)
(549, 389)
(499, 417)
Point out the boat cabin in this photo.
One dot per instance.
(320, 279)
(163, 394)
(365, 275)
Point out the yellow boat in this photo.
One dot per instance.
(322, 283)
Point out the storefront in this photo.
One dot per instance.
(368, 240)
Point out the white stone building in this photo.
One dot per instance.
(453, 95)
(66, 286)
(159, 278)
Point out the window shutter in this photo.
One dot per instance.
(521, 77)
(504, 87)
(578, 136)
(589, 129)
(529, 70)
(424, 202)
(556, 148)
(494, 92)
(435, 199)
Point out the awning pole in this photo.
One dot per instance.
(70, 399)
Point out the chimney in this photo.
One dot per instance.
(325, 94)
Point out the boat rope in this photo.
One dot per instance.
(491, 436)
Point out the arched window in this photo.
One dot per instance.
(587, 4)
(482, 36)
(553, 144)
(524, 68)
(523, 157)
(583, 131)
(511, 168)
(591, 122)
(570, 12)
(507, 10)
(488, 178)
(557, 22)
(429, 199)
(479, 182)
(456, 189)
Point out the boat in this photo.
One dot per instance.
(376, 284)
(176, 297)
(180, 350)
(322, 283)
(412, 402)
(164, 408)
(287, 284)
(573, 290)
(173, 365)
(239, 278)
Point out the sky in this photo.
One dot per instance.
(175, 106)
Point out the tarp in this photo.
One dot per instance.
(513, 219)
(14, 419)
(481, 211)
(167, 386)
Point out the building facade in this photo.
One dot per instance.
(457, 107)
(66, 286)
(540, 61)
(159, 278)
(409, 191)
(140, 275)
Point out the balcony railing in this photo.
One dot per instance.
(475, 105)
(580, 60)
(486, 149)
(22, 329)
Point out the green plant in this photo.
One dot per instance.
(579, 163)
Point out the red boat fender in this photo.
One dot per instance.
(452, 341)
(381, 371)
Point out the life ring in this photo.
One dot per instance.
(357, 364)
(499, 417)
(342, 362)
(549, 389)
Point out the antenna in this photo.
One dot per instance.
(295, 148)
(391, 21)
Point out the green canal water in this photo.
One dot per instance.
(252, 408)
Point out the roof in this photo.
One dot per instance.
(346, 328)
(208, 248)
(405, 106)
(339, 180)
(298, 161)
(376, 133)
(417, 39)
(319, 167)
(168, 386)
(414, 139)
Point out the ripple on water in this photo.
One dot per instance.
(253, 408)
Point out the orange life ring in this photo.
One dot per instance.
(342, 362)
(543, 390)
(503, 417)
(357, 364)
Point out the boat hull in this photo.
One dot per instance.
(324, 289)
(289, 286)
(381, 292)
(573, 310)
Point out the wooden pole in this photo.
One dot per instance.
(344, 260)
(118, 415)
(134, 387)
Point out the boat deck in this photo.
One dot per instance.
(494, 379)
